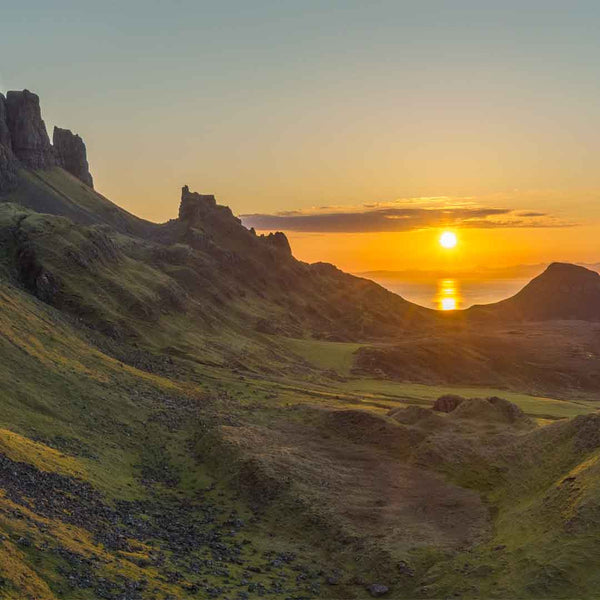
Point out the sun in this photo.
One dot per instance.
(448, 239)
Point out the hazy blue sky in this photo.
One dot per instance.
(285, 105)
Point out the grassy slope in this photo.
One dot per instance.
(263, 420)
(100, 421)
(55, 191)
(89, 413)
(339, 357)
(545, 539)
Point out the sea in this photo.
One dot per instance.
(453, 293)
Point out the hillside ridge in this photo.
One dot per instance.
(562, 291)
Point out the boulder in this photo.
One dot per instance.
(71, 154)
(29, 138)
(447, 403)
(377, 590)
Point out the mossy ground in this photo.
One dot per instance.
(68, 408)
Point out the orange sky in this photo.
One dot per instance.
(532, 227)
(476, 248)
(287, 106)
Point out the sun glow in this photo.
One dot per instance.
(448, 239)
(448, 303)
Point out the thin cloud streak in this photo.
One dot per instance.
(390, 219)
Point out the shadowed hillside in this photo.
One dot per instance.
(562, 291)
(544, 339)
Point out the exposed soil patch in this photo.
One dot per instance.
(357, 464)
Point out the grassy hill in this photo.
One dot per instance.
(188, 411)
(103, 463)
(103, 492)
(562, 291)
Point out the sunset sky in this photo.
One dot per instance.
(362, 129)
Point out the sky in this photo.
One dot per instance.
(361, 129)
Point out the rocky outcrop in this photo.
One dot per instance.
(278, 240)
(200, 213)
(29, 138)
(24, 142)
(71, 154)
(447, 403)
(194, 205)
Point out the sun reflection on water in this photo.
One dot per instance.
(448, 303)
(448, 295)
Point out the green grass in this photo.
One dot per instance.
(338, 356)
(55, 386)
(414, 393)
(74, 400)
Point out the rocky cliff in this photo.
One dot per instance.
(4, 130)
(8, 162)
(29, 137)
(194, 205)
(204, 219)
(24, 142)
(278, 240)
(8, 170)
(71, 154)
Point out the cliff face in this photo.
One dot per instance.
(203, 218)
(30, 142)
(24, 142)
(193, 205)
(4, 130)
(8, 161)
(71, 154)
(8, 170)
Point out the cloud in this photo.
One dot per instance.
(531, 214)
(386, 218)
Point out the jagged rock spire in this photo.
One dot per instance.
(71, 154)
(29, 138)
(193, 204)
